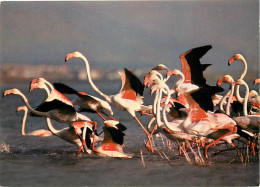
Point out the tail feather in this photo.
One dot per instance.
(243, 133)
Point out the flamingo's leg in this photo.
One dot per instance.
(100, 115)
(214, 142)
(150, 148)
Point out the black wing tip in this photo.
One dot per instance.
(199, 52)
(121, 127)
(135, 82)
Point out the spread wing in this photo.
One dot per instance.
(192, 67)
(193, 72)
(131, 86)
(55, 105)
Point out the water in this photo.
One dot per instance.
(50, 161)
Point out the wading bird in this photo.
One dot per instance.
(113, 142)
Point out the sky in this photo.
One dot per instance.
(132, 34)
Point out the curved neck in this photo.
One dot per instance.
(158, 109)
(246, 99)
(155, 102)
(24, 120)
(245, 68)
(90, 80)
(47, 82)
(165, 120)
(239, 98)
(51, 128)
(221, 103)
(231, 92)
(32, 109)
(237, 94)
(180, 81)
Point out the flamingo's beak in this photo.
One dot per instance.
(219, 82)
(230, 61)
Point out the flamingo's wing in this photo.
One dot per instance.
(132, 86)
(203, 97)
(121, 127)
(122, 76)
(192, 67)
(196, 113)
(175, 111)
(62, 88)
(113, 134)
(55, 104)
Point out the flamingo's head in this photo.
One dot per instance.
(173, 72)
(226, 78)
(256, 81)
(154, 88)
(75, 54)
(235, 57)
(147, 80)
(11, 91)
(111, 123)
(115, 124)
(151, 78)
(21, 108)
(161, 67)
(37, 84)
(253, 93)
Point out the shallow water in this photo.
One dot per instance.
(50, 161)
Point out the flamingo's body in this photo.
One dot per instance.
(86, 102)
(112, 144)
(38, 132)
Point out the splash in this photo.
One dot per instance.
(5, 148)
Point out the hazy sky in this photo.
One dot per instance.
(130, 34)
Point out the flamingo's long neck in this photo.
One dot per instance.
(166, 122)
(51, 128)
(246, 99)
(158, 111)
(181, 80)
(239, 98)
(221, 103)
(230, 98)
(24, 120)
(43, 114)
(91, 82)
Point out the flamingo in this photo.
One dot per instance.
(240, 57)
(38, 132)
(58, 111)
(129, 97)
(86, 102)
(112, 144)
